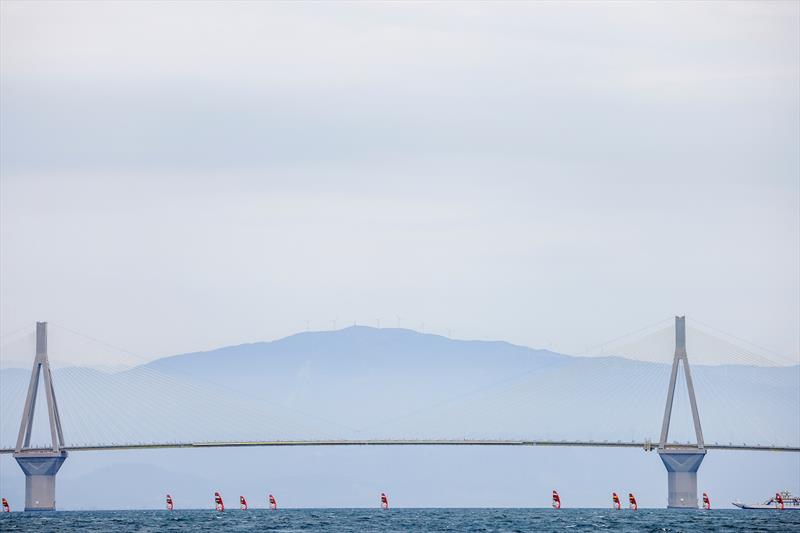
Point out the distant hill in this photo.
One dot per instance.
(368, 382)
(362, 350)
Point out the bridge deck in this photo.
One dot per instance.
(648, 446)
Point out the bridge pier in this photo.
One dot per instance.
(40, 478)
(682, 466)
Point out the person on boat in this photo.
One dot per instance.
(779, 500)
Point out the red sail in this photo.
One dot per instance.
(556, 500)
(632, 499)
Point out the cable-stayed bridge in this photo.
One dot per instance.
(578, 402)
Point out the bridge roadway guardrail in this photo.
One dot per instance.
(646, 445)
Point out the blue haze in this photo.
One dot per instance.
(363, 382)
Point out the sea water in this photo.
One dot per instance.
(405, 520)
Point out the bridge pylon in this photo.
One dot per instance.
(40, 465)
(681, 461)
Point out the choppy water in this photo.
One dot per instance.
(405, 520)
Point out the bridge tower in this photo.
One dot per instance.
(40, 464)
(681, 461)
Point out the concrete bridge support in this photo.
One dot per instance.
(682, 466)
(40, 478)
(40, 465)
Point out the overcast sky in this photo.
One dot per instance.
(177, 177)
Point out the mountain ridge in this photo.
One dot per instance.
(368, 382)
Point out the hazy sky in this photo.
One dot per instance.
(177, 177)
